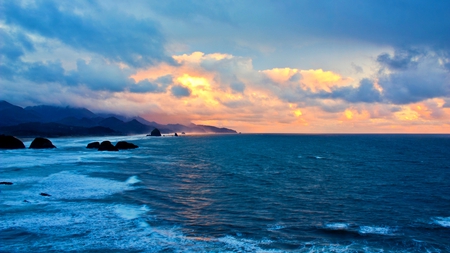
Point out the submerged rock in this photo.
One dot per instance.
(155, 132)
(107, 146)
(125, 145)
(39, 143)
(93, 145)
(7, 183)
(10, 142)
(45, 194)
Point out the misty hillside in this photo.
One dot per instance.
(46, 120)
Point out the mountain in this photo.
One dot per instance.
(50, 113)
(46, 120)
(12, 115)
(34, 129)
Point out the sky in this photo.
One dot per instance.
(323, 66)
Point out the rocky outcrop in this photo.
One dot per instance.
(95, 145)
(155, 132)
(41, 143)
(176, 134)
(125, 145)
(10, 142)
(107, 146)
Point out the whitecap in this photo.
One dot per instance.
(337, 226)
(442, 221)
(376, 230)
(133, 180)
(67, 185)
(130, 212)
(275, 227)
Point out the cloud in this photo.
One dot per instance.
(365, 92)
(413, 77)
(110, 33)
(237, 86)
(180, 91)
(402, 59)
(156, 86)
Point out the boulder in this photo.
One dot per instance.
(93, 145)
(125, 145)
(155, 132)
(7, 183)
(10, 142)
(107, 146)
(45, 194)
(40, 143)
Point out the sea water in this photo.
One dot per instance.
(230, 193)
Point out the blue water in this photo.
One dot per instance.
(230, 193)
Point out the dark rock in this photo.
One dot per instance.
(39, 143)
(125, 145)
(176, 134)
(10, 142)
(107, 146)
(8, 183)
(93, 145)
(26, 201)
(45, 194)
(155, 132)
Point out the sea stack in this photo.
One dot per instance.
(107, 146)
(41, 143)
(93, 145)
(155, 132)
(10, 142)
(125, 145)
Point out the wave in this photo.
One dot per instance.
(376, 230)
(442, 221)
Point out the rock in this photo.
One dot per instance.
(10, 142)
(176, 134)
(45, 194)
(39, 143)
(7, 183)
(107, 146)
(93, 145)
(125, 145)
(183, 133)
(26, 201)
(155, 132)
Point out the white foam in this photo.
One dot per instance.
(442, 221)
(337, 226)
(376, 230)
(275, 227)
(133, 180)
(245, 245)
(87, 226)
(130, 212)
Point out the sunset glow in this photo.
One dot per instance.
(254, 84)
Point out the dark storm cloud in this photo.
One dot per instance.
(180, 91)
(116, 36)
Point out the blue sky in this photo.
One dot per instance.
(258, 66)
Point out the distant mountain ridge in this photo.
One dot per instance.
(51, 121)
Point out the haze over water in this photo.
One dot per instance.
(230, 193)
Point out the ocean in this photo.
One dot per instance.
(230, 193)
